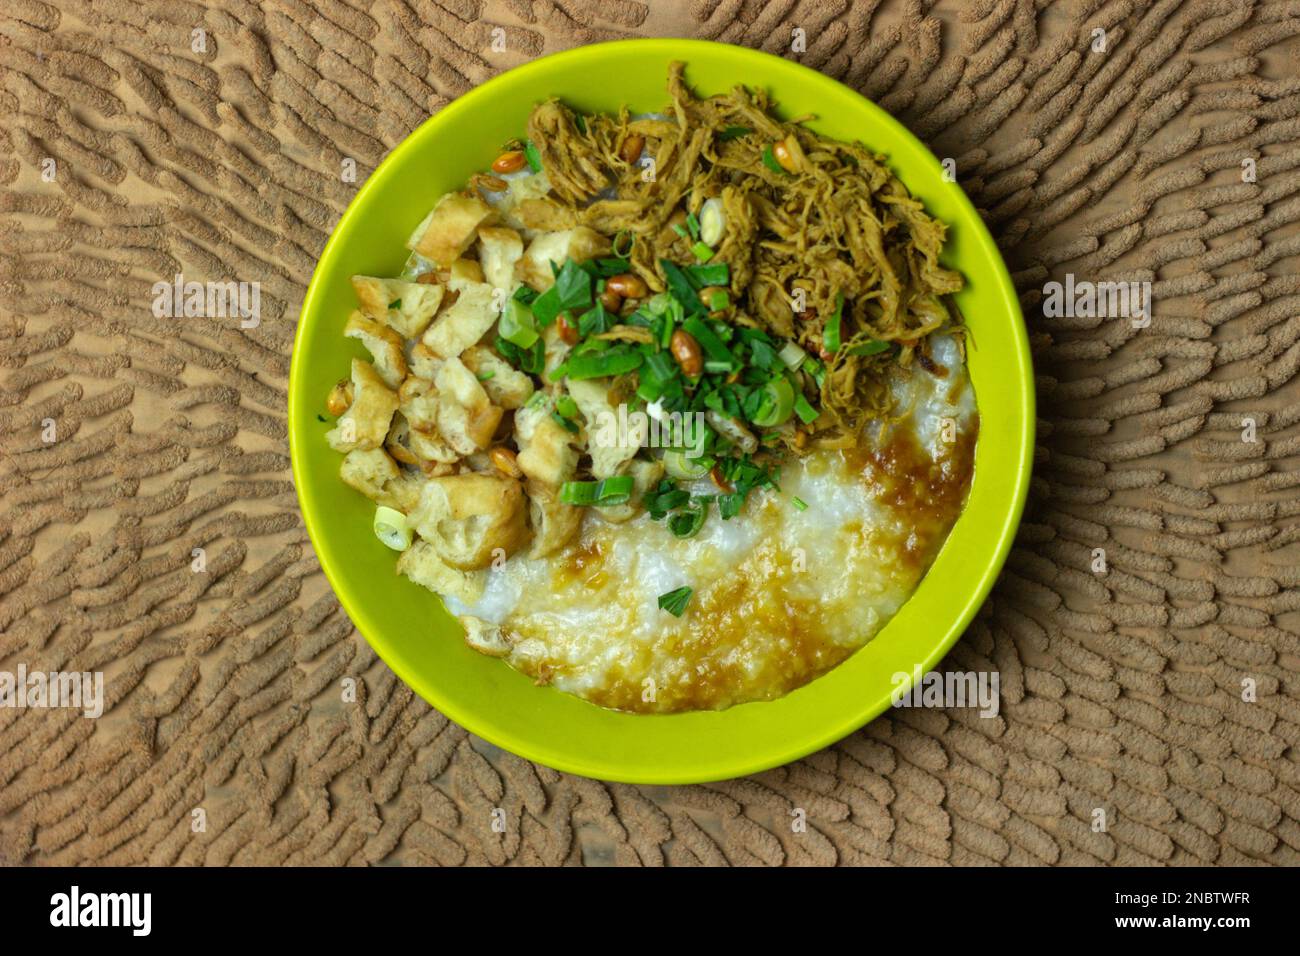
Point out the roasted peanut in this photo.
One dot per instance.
(611, 300)
(492, 184)
(340, 398)
(784, 155)
(428, 278)
(510, 162)
(504, 460)
(568, 331)
(627, 285)
(687, 353)
(630, 151)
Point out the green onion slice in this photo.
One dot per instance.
(777, 404)
(713, 345)
(687, 522)
(674, 602)
(533, 156)
(615, 490)
(680, 465)
(831, 337)
(792, 355)
(391, 528)
(517, 326)
(566, 406)
(713, 222)
(769, 160)
(611, 362)
(715, 273)
(807, 414)
(702, 251)
(719, 300)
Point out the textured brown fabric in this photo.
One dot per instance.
(1122, 691)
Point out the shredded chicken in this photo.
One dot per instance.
(840, 225)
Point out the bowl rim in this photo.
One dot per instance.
(852, 719)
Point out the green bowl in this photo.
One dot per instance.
(408, 626)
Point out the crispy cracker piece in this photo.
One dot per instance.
(463, 273)
(420, 563)
(546, 451)
(520, 190)
(462, 323)
(471, 519)
(554, 523)
(506, 385)
(544, 215)
(377, 476)
(417, 400)
(424, 361)
(485, 637)
(405, 307)
(466, 417)
(450, 228)
(365, 424)
(579, 244)
(608, 446)
(499, 249)
(384, 345)
(432, 447)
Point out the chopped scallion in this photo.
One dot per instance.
(391, 528)
(776, 404)
(533, 156)
(517, 325)
(713, 221)
(769, 160)
(566, 406)
(687, 522)
(831, 336)
(679, 464)
(807, 414)
(674, 602)
(614, 361)
(615, 490)
(792, 355)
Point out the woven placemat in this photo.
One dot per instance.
(1145, 629)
